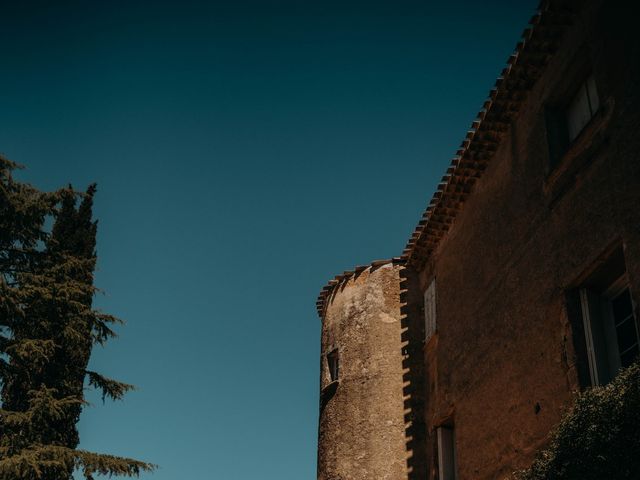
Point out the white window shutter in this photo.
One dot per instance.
(430, 310)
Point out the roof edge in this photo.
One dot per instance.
(524, 67)
(328, 290)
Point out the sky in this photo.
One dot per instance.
(246, 151)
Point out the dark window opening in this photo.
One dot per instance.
(333, 362)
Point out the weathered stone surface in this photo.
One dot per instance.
(361, 431)
(503, 364)
(507, 254)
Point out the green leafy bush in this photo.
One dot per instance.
(599, 438)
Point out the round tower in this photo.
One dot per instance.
(361, 427)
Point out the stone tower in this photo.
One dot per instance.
(361, 427)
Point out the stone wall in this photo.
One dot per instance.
(362, 428)
(503, 366)
(509, 350)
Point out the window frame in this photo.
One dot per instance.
(616, 290)
(602, 345)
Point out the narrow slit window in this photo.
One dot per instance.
(333, 361)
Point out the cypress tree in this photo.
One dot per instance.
(48, 327)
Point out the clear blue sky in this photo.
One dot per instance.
(245, 152)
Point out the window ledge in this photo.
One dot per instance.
(580, 154)
(330, 387)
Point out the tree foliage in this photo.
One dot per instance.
(48, 327)
(599, 438)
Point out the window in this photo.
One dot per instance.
(582, 108)
(566, 120)
(333, 362)
(447, 464)
(430, 310)
(610, 329)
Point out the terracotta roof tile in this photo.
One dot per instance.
(524, 67)
(481, 142)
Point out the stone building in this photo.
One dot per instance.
(520, 284)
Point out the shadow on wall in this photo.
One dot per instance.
(327, 394)
(414, 374)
